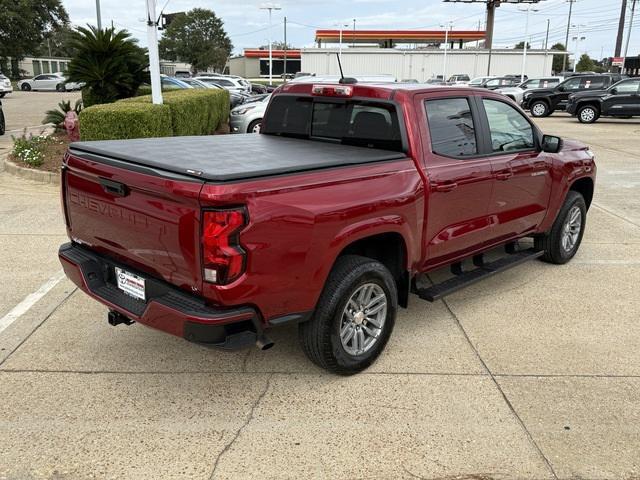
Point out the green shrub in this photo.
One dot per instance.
(122, 120)
(193, 111)
(30, 148)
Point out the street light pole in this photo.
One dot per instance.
(524, 47)
(577, 38)
(447, 26)
(98, 16)
(154, 57)
(270, 7)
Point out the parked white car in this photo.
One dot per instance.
(247, 118)
(49, 81)
(233, 84)
(517, 93)
(476, 82)
(5, 86)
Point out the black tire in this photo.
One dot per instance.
(252, 126)
(588, 114)
(3, 94)
(320, 336)
(2, 126)
(552, 241)
(539, 108)
(25, 87)
(60, 87)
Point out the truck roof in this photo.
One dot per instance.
(380, 90)
(222, 158)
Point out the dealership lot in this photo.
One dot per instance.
(534, 373)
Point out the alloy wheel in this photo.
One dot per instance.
(363, 319)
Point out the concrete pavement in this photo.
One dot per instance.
(532, 374)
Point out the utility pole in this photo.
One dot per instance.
(98, 16)
(626, 47)
(353, 40)
(270, 7)
(154, 57)
(285, 50)
(566, 40)
(623, 14)
(546, 38)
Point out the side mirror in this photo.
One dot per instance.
(613, 91)
(551, 144)
(560, 88)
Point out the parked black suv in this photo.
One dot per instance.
(619, 100)
(544, 101)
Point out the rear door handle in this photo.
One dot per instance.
(504, 175)
(114, 188)
(445, 187)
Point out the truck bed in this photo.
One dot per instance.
(222, 158)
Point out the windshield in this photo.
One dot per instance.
(477, 81)
(348, 122)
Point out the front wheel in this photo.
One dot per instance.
(561, 243)
(1, 123)
(588, 114)
(540, 109)
(254, 127)
(60, 87)
(354, 316)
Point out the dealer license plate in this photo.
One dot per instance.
(130, 284)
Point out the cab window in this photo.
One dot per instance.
(572, 84)
(509, 129)
(451, 127)
(628, 86)
(594, 83)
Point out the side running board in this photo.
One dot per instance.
(484, 270)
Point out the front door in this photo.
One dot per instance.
(522, 173)
(459, 178)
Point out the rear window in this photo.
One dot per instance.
(349, 122)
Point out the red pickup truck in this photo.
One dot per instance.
(327, 218)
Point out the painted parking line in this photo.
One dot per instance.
(30, 300)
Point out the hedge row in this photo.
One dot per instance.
(184, 112)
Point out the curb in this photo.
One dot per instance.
(31, 173)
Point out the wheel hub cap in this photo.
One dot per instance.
(363, 319)
(571, 229)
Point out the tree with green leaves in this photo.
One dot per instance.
(57, 43)
(24, 25)
(557, 59)
(198, 38)
(109, 62)
(520, 46)
(585, 64)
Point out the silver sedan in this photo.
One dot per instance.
(247, 118)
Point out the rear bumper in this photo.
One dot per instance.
(166, 308)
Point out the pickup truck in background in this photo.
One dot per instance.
(542, 102)
(328, 218)
(622, 99)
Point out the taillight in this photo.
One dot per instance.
(332, 90)
(223, 258)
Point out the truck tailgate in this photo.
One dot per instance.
(143, 218)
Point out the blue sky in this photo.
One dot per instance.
(247, 25)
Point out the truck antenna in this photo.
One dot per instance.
(343, 79)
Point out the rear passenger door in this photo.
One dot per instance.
(521, 171)
(623, 99)
(459, 177)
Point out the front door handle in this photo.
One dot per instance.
(445, 187)
(504, 175)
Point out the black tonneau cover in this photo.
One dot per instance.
(231, 157)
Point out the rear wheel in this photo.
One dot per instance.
(254, 127)
(1, 123)
(540, 109)
(3, 94)
(354, 316)
(25, 87)
(561, 243)
(588, 114)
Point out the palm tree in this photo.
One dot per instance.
(109, 62)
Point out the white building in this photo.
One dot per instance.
(422, 64)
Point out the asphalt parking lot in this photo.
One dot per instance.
(532, 374)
